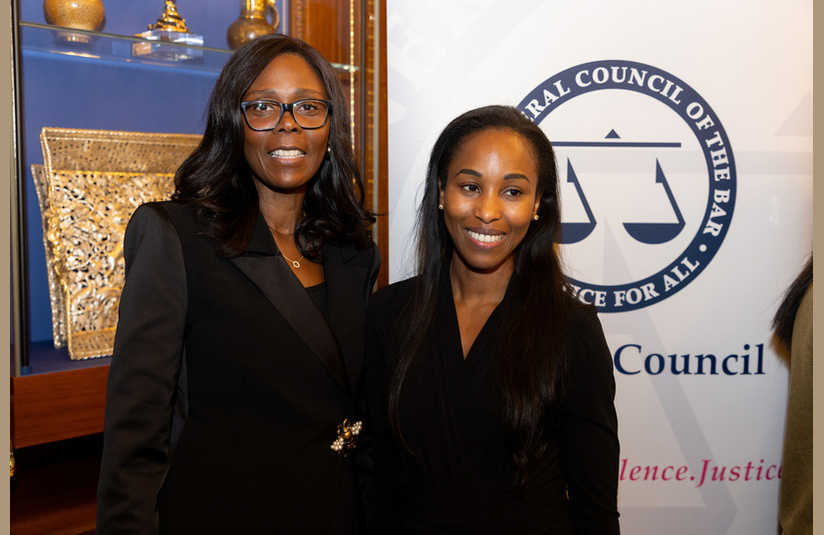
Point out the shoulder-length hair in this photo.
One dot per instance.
(217, 180)
(530, 354)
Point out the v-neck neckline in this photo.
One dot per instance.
(457, 348)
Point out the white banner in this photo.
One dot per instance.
(684, 137)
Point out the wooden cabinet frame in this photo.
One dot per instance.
(67, 401)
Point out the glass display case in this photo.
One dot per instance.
(111, 80)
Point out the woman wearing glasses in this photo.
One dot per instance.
(231, 397)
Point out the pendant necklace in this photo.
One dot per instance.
(295, 263)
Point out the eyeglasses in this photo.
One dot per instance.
(263, 115)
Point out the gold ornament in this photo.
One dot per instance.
(88, 187)
(80, 14)
(252, 22)
(170, 20)
(347, 435)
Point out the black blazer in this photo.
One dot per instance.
(227, 385)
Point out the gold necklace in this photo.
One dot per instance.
(295, 263)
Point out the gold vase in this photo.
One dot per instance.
(79, 14)
(252, 22)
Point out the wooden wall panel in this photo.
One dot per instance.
(348, 32)
(56, 406)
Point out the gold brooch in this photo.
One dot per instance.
(347, 434)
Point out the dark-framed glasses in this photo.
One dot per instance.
(308, 113)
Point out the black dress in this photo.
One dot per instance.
(460, 478)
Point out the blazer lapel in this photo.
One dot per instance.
(263, 266)
(345, 285)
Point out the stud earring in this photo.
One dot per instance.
(328, 149)
(535, 217)
(440, 207)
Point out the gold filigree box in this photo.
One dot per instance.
(88, 187)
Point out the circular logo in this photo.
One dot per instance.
(647, 194)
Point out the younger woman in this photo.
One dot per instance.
(491, 386)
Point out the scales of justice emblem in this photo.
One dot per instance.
(663, 196)
(650, 232)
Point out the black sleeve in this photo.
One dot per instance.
(382, 490)
(143, 376)
(590, 447)
(365, 450)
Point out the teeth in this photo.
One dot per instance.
(485, 238)
(281, 153)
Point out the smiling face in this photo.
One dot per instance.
(489, 199)
(286, 158)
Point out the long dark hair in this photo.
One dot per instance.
(784, 319)
(217, 180)
(530, 355)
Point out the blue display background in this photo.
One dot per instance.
(209, 18)
(67, 91)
